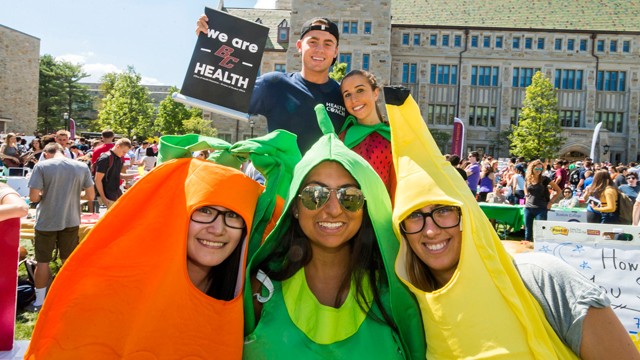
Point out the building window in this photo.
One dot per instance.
(367, 27)
(612, 121)
(349, 27)
(516, 42)
(433, 40)
(405, 39)
(474, 41)
(626, 46)
(571, 44)
(569, 79)
(540, 43)
(584, 45)
(522, 77)
(486, 41)
(482, 116)
(346, 58)
(611, 80)
(365, 61)
(225, 137)
(499, 42)
(280, 68)
(528, 43)
(515, 116)
(409, 72)
(613, 46)
(558, 44)
(283, 31)
(457, 41)
(444, 74)
(440, 114)
(600, 46)
(484, 76)
(416, 39)
(445, 40)
(570, 118)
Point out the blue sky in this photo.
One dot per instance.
(156, 37)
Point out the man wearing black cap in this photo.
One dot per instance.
(287, 100)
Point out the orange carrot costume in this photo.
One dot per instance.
(125, 292)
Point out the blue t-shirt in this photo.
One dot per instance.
(287, 101)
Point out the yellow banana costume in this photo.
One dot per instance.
(485, 310)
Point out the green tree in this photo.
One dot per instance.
(60, 92)
(339, 71)
(441, 138)
(197, 125)
(537, 135)
(171, 115)
(127, 108)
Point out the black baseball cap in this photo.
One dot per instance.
(311, 25)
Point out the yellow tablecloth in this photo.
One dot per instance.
(87, 221)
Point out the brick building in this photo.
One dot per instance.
(19, 81)
(474, 59)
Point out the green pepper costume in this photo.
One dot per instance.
(293, 324)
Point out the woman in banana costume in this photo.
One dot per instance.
(478, 301)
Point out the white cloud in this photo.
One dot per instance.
(265, 4)
(150, 81)
(96, 71)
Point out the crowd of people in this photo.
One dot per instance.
(373, 250)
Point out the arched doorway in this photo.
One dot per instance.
(574, 152)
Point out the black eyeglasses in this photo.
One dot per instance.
(313, 197)
(444, 217)
(207, 215)
(632, 178)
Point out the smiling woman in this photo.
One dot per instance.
(453, 261)
(322, 287)
(164, 283)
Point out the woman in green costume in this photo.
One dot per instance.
(323, 281)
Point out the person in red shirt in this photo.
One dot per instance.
(107, 144)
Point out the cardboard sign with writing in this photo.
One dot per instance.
(224, 65)
(608, 255)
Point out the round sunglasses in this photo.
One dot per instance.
(313, 197)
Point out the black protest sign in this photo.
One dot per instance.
(225, 61)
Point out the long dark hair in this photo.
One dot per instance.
(365, 262)
(224, 277)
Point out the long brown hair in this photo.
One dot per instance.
(601, 181)
(532, 178)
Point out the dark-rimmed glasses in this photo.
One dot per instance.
(313, 197)
(632, 178)
(444, 217)
(207, 215)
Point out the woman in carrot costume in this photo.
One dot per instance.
(152, 290)
(476, 300)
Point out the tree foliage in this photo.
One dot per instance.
(197, 125)
(441, 138)
(538, 133)
(171, 114)
(127, 107)
(60, 92)
(339, 71)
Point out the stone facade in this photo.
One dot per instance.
(19, 81)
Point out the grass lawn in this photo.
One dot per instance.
(25, 321)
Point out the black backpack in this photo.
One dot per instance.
(574, 177)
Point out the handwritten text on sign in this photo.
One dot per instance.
(614, 265)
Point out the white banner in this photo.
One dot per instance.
(594, 140)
